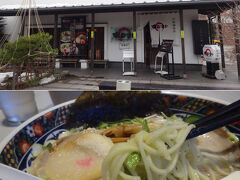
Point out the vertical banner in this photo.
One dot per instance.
(157, 29)
(73, 37)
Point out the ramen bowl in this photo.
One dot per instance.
(17, 150)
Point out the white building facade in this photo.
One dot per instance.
(167, 13)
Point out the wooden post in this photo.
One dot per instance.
(55, 31)
(92, 41)
(183, 43)
(210, 30)
(237, 39)
(135, 40)
(14, 78)
(29, 18)
(221, 40)
(23, 25)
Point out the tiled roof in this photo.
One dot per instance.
(82, 3)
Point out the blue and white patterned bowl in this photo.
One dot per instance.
(16, 150)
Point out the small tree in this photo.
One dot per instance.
(233, 28)
(227, 14)
(24, 51)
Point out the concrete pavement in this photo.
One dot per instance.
(145, 79)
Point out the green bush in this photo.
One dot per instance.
(25, 49)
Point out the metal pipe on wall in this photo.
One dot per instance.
(135, 39)
(221, 39)
(55, 30)
(92, 40)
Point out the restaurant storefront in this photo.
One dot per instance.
(113, 33)
(103, 32)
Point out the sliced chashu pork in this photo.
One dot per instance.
(218, 142)
(78, 156)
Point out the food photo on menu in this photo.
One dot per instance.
(129, 135)
(73, 36)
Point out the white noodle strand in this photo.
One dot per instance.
(165, 155)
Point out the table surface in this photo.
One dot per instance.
(225, 97)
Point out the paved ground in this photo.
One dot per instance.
(145, 79)
(75, 83)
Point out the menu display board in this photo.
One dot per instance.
(73, 36)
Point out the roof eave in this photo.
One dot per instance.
(204, 7)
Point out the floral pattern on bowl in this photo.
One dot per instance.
(18, 151)
(20, 145)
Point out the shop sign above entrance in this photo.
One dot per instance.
(122, 34)
(159, 25)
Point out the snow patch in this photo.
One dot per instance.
(47, 80)
(6, 75)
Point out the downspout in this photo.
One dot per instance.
(92, 41)
(135, 39)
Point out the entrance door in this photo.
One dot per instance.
(98, 43)
(147, 45)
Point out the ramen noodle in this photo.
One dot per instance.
(145, 149)
(164, 154)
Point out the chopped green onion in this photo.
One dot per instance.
(75, 130)
(192, 119)
(164, 115)
(132, 160)
(144, 124)
(103, 125)
(173, 117)
(233, 138)
(113, 124)
(49, 146)
(127, 122)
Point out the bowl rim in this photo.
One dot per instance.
(198, 96)
(6, 140)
